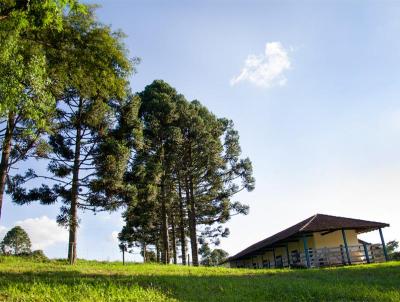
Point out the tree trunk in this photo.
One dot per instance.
(123, 256)
(182, 225)
(144, 252)
(73, 216)
(173, 233)
(5, 156)
(164, 227)
(157, 253)
(195, 255)
(192, 222)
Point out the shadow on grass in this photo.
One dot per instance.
(359, 284)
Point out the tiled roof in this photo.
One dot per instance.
(316, 223)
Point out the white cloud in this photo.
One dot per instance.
(265, 70)
(3, 231)
(43, 231)
(113, 237)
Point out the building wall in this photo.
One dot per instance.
(317, 241)
(334, 239)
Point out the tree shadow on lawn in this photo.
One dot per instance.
(369, 284)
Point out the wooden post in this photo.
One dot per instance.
(287, 254)
(273, 251)
(366, 253)
(306, 251)
(383, 245)
(346, 246)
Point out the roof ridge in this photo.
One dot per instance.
(308, 223)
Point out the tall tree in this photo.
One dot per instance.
(212, 172)
(16, 242)
(26, 101)
(158, 114)
(85, 120)
(192, 158)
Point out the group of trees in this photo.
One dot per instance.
(63, 78)
(17, 242)
(211, 257)
(65, 100)
(186, 170)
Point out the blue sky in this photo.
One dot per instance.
(318, 113)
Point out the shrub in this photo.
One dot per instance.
(39, 255)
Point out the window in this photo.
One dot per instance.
(295, 255)
(266, 264)
(278, 261)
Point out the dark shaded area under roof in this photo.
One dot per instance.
(316, 223)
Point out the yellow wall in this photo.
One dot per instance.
(334, 239)
(317, 241)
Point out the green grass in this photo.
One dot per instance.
(24, 280)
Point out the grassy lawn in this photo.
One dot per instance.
(24, 280)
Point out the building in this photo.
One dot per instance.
(320, 240)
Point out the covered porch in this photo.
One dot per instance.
(319, 241)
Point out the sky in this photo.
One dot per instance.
(313, 88)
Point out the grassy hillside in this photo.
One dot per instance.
(24, 280)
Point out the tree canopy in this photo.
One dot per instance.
(28, 76)
(16, 242)
(211, 257)
(65, 100)
(94, 90)
(186, 173)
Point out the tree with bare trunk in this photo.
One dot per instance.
(83, 127)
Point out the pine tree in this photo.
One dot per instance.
(191, 161)
(84, 123)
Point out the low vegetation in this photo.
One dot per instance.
(22, 279)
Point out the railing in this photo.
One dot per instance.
(327, 257)
(338, 256)
(324, 257)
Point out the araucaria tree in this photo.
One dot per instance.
(84, 125)
(189, 168)
(16, 242)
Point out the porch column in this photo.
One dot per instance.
(287, 254)
(383, 245)
(366, 253)
(346, 246)
(273, 251)
(306, 251)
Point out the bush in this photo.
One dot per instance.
(395, 256)
(39, 255)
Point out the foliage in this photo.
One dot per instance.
(186, 172)
(23, 280)
(16, 242)
(150, 256)
(213, 257)
(392, 247)
(27, 76)
(84, 151)
(39, 255)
